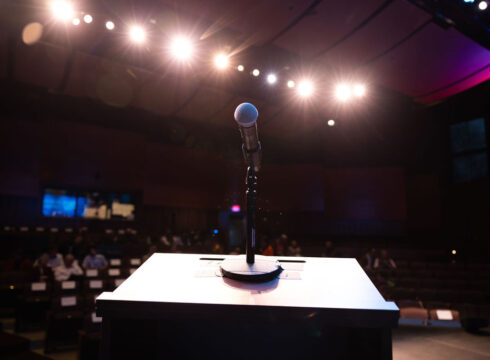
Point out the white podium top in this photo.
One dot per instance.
(305, 283)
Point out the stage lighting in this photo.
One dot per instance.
(109, 25)
(137, 34)
(240, 68)
(181, 48)
(256, 72)
(76, 21)
(482, 5)
(453, 252)
(221, 61)
(305, 88)
(62, 10)
(342, 92)
(88, 18)
(235, 208)
(359, 90)
(291, 84)
(271, 78)
(331, 122)
(469, 1)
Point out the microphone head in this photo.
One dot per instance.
(246, 114)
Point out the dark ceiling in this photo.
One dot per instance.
(392, 45)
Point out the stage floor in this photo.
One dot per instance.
(415, 343)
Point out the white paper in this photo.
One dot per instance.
(68, 285)
(38, 286)
(95, 318)
(132, 270)
(114, 272)
(68, 301)
(118, 282)
(92, 273)
(444, 314)
(135, 261)
(290, 275)
(95, 284)
(115, 262)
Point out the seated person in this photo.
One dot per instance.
(41, 270)
(94, 260)
(67, 269)
(384, 261)
(329, 250)
(55, 258)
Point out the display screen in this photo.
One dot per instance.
(88, 205)
(59, 203)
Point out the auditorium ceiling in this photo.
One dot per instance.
(391, 46)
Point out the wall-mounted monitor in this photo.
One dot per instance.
(88, 205)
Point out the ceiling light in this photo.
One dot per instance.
(271, 78)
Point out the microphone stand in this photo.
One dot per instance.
(251, 193)
(248, 268)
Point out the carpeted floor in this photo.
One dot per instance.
(430, 343)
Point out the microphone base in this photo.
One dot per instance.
(262, 270)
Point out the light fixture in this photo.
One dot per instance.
(221, 61)
(271, 78)
(469, 1)
(482, 5)
(88, 18)
(62, 10)
(137, 34)
(359, 90)
(76, 21)
(305, 88)
(256, 72)
(109, 25)
(235, 208)
(291, 84)
(240, 68)
(181, 48)
(453, 252)
(343, 92)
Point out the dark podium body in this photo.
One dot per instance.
(177, 306)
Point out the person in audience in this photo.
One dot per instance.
(94, 260)
(40, 270)
(55, 258)
(280, 245)
(78, 248)
(384, 261)
(298, 252)
(367, 260)
(292, 248)
(329, 250)
(236, 251)
(68, 269)
(151, 251)
(267, 248)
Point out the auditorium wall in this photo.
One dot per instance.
(186, 188)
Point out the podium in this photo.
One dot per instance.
(178, 306)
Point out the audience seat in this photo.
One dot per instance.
(62, 330)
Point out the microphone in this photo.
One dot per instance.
(246, 117)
